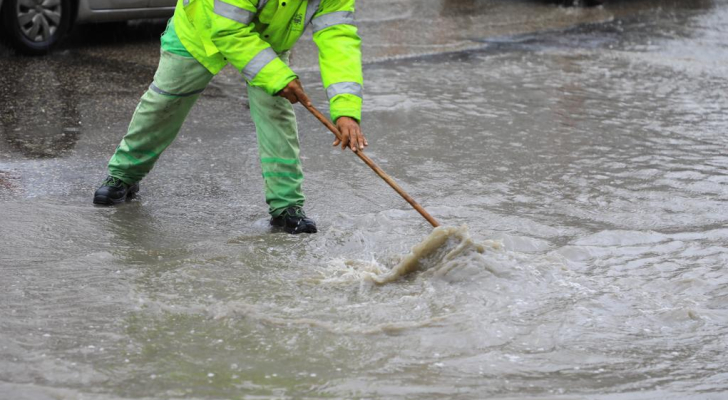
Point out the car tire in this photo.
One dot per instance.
(33, 27)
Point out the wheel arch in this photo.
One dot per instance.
(74, 12)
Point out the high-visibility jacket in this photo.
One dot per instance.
(250, 34)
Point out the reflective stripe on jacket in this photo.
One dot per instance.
(250, 34)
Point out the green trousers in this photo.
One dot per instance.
(178, 82)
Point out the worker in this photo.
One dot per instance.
(255, 36)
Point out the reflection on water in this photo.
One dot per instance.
(40, 115)
(589, 166)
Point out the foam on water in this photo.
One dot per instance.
(444, 251)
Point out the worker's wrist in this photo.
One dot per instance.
(346, 116)
(353, 114)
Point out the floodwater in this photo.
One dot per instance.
(588, 164)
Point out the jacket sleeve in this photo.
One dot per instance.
(335, 34)
(232, 33)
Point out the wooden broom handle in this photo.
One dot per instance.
(368, 161)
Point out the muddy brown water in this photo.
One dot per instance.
(589, 165)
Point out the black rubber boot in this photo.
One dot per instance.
(293, 220)
(114, 191)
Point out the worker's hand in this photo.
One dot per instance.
(294, 93)
(351, 134)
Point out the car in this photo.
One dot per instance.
(33, 27)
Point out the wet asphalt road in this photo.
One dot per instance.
(588, 143)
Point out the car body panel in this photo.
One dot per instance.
(116, 4)
(87, 13)
(162, 3)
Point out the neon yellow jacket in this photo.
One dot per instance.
(250, 34)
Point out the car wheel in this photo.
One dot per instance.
(33, 26)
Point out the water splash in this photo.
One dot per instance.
(445, 249)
